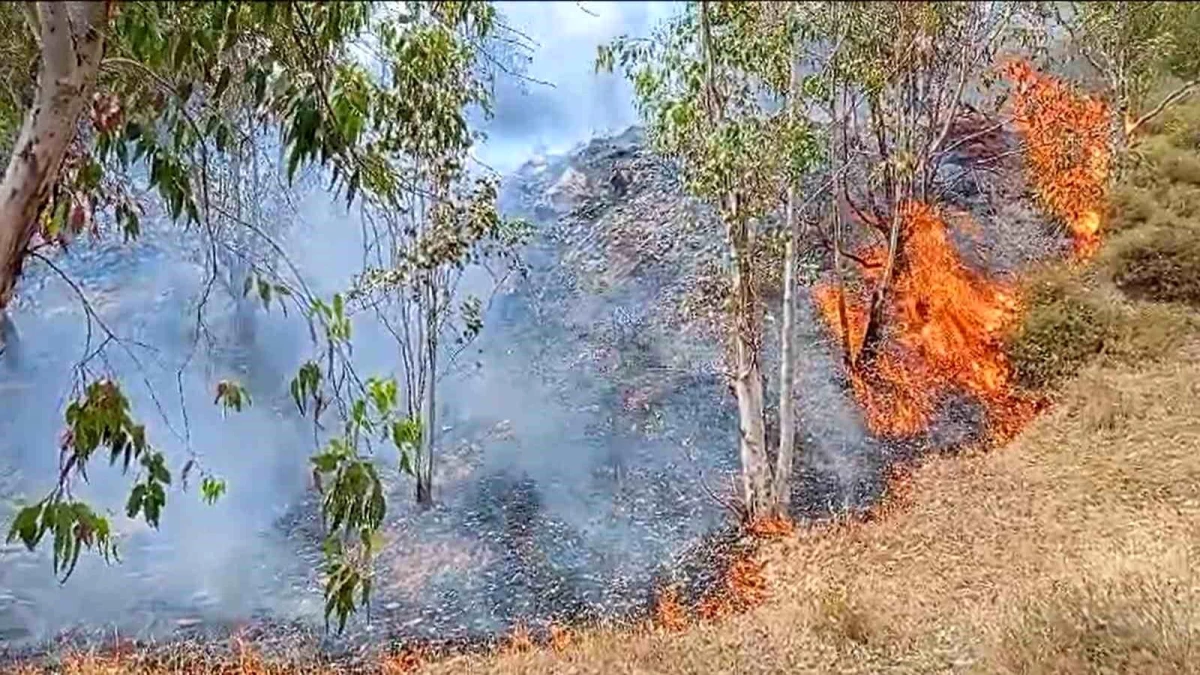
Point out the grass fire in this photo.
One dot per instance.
(630, 337)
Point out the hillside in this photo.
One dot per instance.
(1067, 550)
(1072, 550)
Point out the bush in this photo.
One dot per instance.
(1062, 329)
(1132, 207)
(1183, 168)
(1147, 332)
(1160, 264)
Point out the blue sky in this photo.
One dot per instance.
(531, 117)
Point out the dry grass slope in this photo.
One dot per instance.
(1073, 550)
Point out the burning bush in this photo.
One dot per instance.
(946, 324)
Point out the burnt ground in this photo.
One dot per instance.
(581, 469)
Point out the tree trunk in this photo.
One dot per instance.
(425, 466)
(747, 382)
(9, 341)
(784, 459)
(71, 47)
(747, 322)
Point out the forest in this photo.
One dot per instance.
(866, 343)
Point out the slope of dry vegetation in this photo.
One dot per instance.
(1072, 550)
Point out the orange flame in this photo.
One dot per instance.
(946, 324)
(560, 637)
(744, 587)
(774, 527)
(519, 640)
(1067, 150)
(669, 612)
(408, 660)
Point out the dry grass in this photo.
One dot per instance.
(1071, 551)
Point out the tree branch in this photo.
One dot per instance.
(1172, 98)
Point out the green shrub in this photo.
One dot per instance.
(1131, 207)
(1072, 317)
(1184, 167)
(1063, 328)
(1160, 264)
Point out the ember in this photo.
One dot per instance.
(669, 612)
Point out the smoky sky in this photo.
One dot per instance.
(562, 101)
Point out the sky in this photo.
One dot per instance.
(531, 117)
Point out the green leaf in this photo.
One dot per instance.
(25, 526)
(136, 497)
(211, 489)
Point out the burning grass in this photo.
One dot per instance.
(1071, 551)
(947, 323)
(1067, 152)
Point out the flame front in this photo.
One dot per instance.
(1067, 150)
(945, 326)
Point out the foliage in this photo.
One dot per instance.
(1134, 45)
(99, 419)
(17, 54)
(186, 93)
(1064, 326)
(353, 504)
(1160, 264)
(751, 146)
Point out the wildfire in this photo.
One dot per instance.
(946, 324)
(669, 613)
(1067, 150)
(745, 587)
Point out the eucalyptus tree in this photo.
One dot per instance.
(900, 75)
(419, 256)
(171, 96)
(713, 85)
(1133, 47)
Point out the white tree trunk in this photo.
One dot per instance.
(429, 356)
(784, 459)
(71, 36)
(747, 380)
